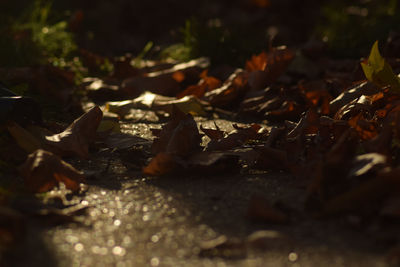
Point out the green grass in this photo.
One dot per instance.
(223, 45)
(33, 34)
(351, 26)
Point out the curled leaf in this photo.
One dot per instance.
(76, 138)
(43, 170)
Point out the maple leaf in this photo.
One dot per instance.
(76, 138)
(43, 170)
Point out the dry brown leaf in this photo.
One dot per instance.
(43, 170)
(223, 248)
(24, 139)
(213, 134)
(207, 83)
(232, 90)
(266, 68)
(167, 81)
(179, 136)
(235, 139)
(365, 88)
(267, 239)
(163, 84)
(76, 138)
(366, 130)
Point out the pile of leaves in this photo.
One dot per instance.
(312, 116)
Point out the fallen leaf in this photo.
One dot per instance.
(54, 217)
(289, 110)
(179, 136)
(23, 138)
(76, 138)
(317, 95)
(148, 100)
(101, 90)
(267, 240)
(206, 84)
(109, 125)
(367, 163)
(223, 248)
(161, 164)
(266, 68)
(365, 129)
(213, 134)
(355, 92)
(232, 90)
(124, 141)
(378, 71)
(234, 139)
(43, 170)
(166, 82)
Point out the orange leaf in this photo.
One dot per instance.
(161, 164)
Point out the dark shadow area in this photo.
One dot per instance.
(226, 31)
(31, 249)
(222, 202)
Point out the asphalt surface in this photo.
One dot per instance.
(132, 220)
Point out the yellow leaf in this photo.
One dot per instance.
(378, 71)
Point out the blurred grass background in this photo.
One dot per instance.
(229, 32)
